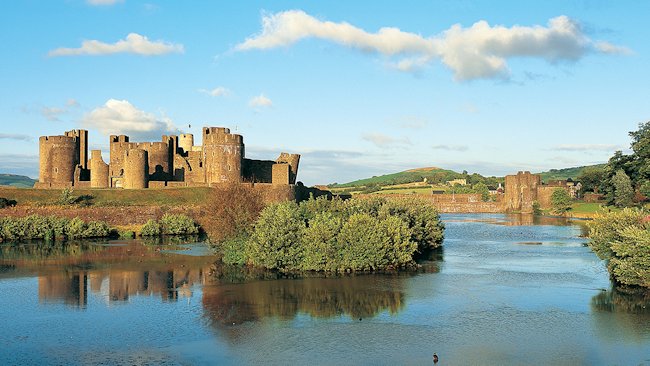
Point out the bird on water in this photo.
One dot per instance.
(435, 358)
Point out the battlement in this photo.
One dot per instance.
(120, 138)
(58, 139)
(173, 161)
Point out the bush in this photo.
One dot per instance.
(151, 228)
(66, 197)
(561, 201)
(7, 202)
(623, 239)
(50, 228)
(178, 224)
(335, 235)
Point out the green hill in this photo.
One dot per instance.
(566, 173)
(19, 181)
(433, 175)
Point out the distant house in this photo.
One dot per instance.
(455, 182)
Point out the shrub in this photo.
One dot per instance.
(561, 201)
(7, 202)
(50, 228)
(623, 239)
(66, 197)
(537, 209)
(178, 224)
(335, 235)
(151, 228)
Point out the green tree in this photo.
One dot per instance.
(641, 157)
(592, 179)
(623, 191)
(561, 201)
(483, 190)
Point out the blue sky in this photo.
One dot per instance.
(359, 90)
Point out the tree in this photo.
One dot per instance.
(561, 201)
(483, 190)
(592, 179)
(623, 191)
(641, 157)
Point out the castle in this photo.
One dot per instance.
(524, 189)
(173, 162)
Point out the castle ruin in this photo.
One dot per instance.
(173, 162)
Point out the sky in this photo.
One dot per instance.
(357, 88)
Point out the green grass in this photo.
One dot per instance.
(409, 176)
(18, 181)
(413, 190)
(111, 197)
(566, 173)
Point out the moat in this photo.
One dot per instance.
(504, 290)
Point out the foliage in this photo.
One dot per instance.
(592, 178)
(7, 202)
(566, 173)
(482, 189)
(50, 228)
(151, 228)
(432, 175)
(230, 210)
(623, 239)
(537, 209)
(66, 197)
(335, 235)
(178, 224)
(623, 191)
(561, 201)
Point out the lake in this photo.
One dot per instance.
(505, 289)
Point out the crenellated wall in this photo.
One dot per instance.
(172, 162)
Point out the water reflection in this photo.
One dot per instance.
(623, 313)
(115, 270)
(358, 297)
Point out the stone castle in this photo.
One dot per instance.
(173, 162)
(524, 189)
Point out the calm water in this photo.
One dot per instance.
(505, 290)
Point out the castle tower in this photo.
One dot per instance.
(118, 146)
(186, 142)
(293, 160)
(223, 154)
(82, 141)
(136, 169)
(521, 191)
(58, 158)
(98, 170)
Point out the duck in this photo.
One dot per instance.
(435, 358)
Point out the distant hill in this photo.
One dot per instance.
(566, 173)
(19, 181)
(433, 175)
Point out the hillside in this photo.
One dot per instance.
(433, 175)
(566, 173)
(18, 181)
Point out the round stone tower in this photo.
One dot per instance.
(186, 141)
(98, 170)
(59, 156)
(223, 154)
(136, 169)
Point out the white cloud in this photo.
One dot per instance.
(216, 92)
(72, 103)
(587, 147)
(450, 147)
(117, 117)
(477, 52)
(103, 2)
(260, 101)
(11, 136)
(382, 140)
(134, 43)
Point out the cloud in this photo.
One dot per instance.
(450, 147)
(53, 113)
(19, 137)
(72, 103)
(103, 2)
(134, 43)
(216, 92)
(412, 122)
(23, 164)
(587, 147)
(382, 140)
(478, 52)
(119, 117)
(260, 101)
